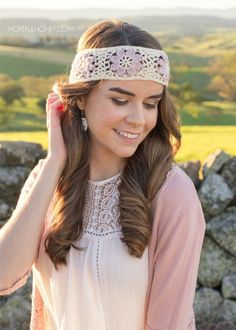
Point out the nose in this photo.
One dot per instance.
(135, 116)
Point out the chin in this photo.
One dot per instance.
(126, 154)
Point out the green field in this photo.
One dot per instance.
(17, 67)
(208, 113)
(199, 141)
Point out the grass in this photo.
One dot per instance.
(17, 67)
(209, 113)
(25, 116)
(42, 54)
(200, 141)
(197, 141)
(196, 77)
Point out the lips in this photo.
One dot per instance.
(128, 135)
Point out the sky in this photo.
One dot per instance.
(131, 4)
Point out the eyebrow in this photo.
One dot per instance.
(122, 91)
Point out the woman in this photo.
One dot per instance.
(109, 224)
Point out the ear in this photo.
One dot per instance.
(81, 101)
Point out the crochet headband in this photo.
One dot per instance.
(121, 63)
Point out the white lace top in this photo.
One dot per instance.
(104, 287)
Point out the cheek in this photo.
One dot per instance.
(102, 119)
(107, 117)
(151, 120)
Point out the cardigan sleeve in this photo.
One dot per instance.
(24, 192)
(181, 228)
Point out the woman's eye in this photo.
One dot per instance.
(123, 102)
(119, 102)
(151, 106)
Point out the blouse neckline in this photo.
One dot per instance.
(101, 182)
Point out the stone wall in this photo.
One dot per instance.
(215, 298)
(215, 181)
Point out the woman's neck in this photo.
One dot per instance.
(103, 170)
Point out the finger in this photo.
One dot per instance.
(52, 103)
(53, 97)
(58, 108)
(53, 94)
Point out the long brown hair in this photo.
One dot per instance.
(144, 172)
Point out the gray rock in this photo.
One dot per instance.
(226, 325)
(15, 309)
(20, 153)
(227, 311)
(223, 229)
(215, 264)
(15, 314)
(215, 194)
(12, 179)
(229, 174)
(228, 287)
(5, 210)
(214, 162)
(206, 303)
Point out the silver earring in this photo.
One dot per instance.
(84, 121)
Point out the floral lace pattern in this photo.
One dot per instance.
(101, 211)
(37, 321)
(41, 318)
(121, 63)
(126, 62)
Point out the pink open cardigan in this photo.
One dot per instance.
(174, 254)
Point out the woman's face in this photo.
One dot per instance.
(120, 114)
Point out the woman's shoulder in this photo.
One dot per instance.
(178, 181)
(178, 188)
(177, 207)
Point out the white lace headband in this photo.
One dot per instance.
(121, 63)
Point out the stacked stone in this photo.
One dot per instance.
(16, 161)
(215, 298)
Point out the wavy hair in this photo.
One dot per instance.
(144, 172)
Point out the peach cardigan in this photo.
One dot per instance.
(173, 256)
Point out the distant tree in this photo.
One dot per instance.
(223, 81)
(4, 78)
(37, 86)
(184, 93)
(5, 114)
(11, 91)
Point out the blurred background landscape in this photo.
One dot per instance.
(37, 46)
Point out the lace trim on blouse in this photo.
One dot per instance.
(192, 325)
(101, 211)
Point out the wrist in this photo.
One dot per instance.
(55, 162)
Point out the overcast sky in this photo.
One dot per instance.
(130, 4)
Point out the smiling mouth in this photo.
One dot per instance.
(127, 134)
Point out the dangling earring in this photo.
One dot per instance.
(84, 121)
